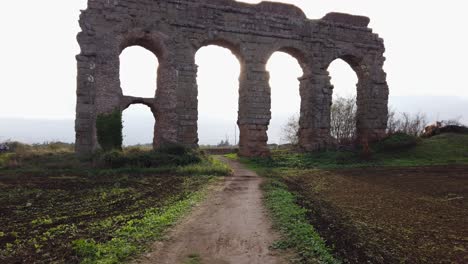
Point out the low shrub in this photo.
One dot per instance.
(109, 130)
(175, 149)
(398, 141)
(174, 156)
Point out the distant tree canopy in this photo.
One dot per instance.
(224, 143)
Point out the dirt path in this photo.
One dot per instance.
(231, 226)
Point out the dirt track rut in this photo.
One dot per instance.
(230, 226)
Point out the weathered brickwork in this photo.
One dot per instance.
(174, 30)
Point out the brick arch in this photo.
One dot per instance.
(128, 101)
(298, 53)
(152, 41)
(235, 48)
(367, 92)
(232, 45)
(355, 61)
(302, 59)
(162, 103)
(175, 30)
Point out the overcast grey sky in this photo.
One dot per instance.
(425, 40)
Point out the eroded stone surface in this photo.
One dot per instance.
(174, 30)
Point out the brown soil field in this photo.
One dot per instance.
(41, 216)
(389, 215)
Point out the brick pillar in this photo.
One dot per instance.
(166, 126)
(187, 95)
(85, 127)
(98, 88)
(316, 99)
(254, 106)
(372, 99)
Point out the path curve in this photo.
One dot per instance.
(230, 226)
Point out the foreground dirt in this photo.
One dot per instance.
(40, 216)
(390, 215)
(231, 226)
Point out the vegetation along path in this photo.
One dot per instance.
(231, 226)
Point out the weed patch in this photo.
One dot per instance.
(131, 238)
(291, 220)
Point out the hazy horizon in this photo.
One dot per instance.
(141, 129)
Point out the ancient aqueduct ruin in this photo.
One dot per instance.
(175, 29)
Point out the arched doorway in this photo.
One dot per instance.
(218, 96)
(138, 123)
(284, 72)
(343, 111)
(138, 78)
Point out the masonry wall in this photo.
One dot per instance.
(174, 30)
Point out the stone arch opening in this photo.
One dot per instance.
(285, 68)
(138, 124)
(218, 69)
(138, 72)
(345, 75)
(141, 58)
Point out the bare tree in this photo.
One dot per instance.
(343, 123)
(452, 122)
(406, 123)
(290, 133)
(343, 120)
(393, 122)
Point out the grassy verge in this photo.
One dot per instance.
(292, 221)
(290, 218)
(131, 238)
(445, 149)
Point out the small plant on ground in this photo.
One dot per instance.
(131, 238)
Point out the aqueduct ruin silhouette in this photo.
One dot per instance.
(175, 29)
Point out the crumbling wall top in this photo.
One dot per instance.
(342, 18)
(281, 9)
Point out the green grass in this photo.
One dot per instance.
(4, 158)
(133, 237)
(51, 164)
(291, 220)
(193, 259)
(445, 149)
(288, 217)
